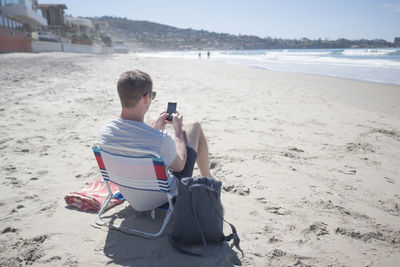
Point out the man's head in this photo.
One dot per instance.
(132, 86)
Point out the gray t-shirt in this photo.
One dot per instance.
(135, 134)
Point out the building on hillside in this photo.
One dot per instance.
(120, 47)
(100, 26)
(397, 41)
(54, 14)
(82, 29)
(57, 29)
(18, 18)
(100, 30)
(82, 25)
(24, 11)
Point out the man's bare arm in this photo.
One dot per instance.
(179, 162)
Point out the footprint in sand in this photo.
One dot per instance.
(349, 170)
(233, 118)
(390, 206)
(389, 133)
(253, 213)
(389, 180)
(289, 155)
(13, 182)
(366, 237)
(360, 147)
(292, 153)
(277, 210)
(295, 149)
(274, 240)
(349, 188)
(50, 209)
(291, 259)
(54, 258)
(239, 189)
(32, 197)
(214, 165)
(318, 228)
(329, 205)
(28, 252)
(261, 200)
(277, 253)
(10, 168)
(3, 141)
(9, 229)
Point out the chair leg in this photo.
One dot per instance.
(131, 230)
(168, 215)
(104, 206)
(146, 234)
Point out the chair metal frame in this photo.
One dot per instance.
(101, 148)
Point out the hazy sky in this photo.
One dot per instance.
(351, 19)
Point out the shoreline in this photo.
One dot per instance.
(351, 63)
(309, 168)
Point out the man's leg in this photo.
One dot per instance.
(196, 140)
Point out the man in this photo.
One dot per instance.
(135, 90)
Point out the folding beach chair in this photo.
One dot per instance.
(142, 179)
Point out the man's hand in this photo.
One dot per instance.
(177, 122)
(160, 121)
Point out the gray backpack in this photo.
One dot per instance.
(199, 216)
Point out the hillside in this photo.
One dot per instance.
(150, 35)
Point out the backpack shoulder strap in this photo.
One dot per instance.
(233, 235)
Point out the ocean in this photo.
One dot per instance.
(372, 65)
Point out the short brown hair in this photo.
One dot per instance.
(132, 86)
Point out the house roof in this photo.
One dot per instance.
(63, 6)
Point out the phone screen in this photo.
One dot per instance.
(170, 110)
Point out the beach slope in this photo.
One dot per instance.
(309, 164)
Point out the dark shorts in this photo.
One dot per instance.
(189, 166)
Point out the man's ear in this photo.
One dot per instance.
(145, 99)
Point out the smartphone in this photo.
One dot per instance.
(171, 109)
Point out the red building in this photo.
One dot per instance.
(18, 18)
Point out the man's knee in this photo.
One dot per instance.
(192, 127)
(193, 132)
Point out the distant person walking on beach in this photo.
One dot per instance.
(179, 152)
(208, 54)
(199, 54)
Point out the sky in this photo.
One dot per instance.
(313, 19)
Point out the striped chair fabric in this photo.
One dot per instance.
(140, 173)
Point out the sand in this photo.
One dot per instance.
(309, 164)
